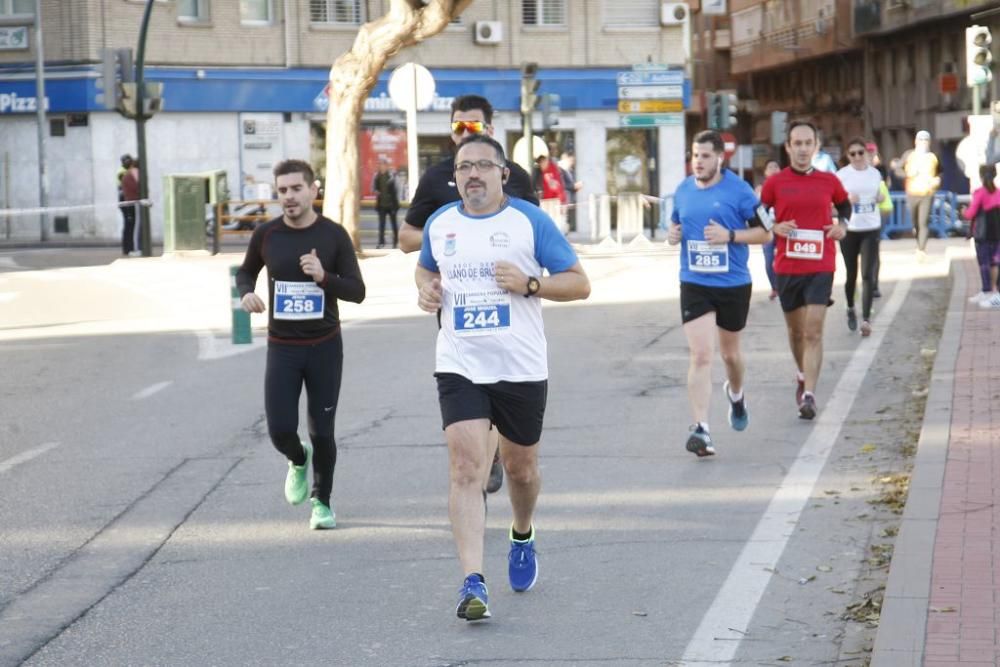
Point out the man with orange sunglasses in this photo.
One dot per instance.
(470, 114)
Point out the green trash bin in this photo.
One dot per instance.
(185, 196)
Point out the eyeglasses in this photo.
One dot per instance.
(473, 126)
(856, 153)
(465, 167)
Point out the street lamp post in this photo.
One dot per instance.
(140, 131)
(43, 177)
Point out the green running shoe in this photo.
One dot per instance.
(296, 485)
(322, 516)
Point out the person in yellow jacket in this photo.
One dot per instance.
(922, 181)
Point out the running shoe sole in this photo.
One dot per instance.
(472, 609)
(807, 410)
(696, 445)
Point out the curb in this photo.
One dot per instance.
(902, 630)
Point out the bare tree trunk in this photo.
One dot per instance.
(352, 78)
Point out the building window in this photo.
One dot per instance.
(255, 11)
(17, 7)
(634, 14)
(346, 12)
(194, 11)
(543, 12)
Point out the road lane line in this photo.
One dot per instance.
(724, 625)
(151, 389)
(26, 456)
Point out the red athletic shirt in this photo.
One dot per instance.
(806, 198)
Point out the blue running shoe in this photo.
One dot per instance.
(473, 599)
(522, 563)
(739, 418)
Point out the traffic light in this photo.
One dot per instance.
(713, 103)
(730, 103)
(550, 110)
(116, 66)
(978, 57)
(529, 87)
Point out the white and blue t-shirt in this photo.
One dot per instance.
(488, 334)
(730, 202)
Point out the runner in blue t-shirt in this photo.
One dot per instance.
(716, 215)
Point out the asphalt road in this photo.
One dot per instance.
(142, 519)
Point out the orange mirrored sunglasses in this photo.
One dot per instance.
(473, 126)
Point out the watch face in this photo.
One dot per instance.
(533, 285)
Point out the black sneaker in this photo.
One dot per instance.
(807, 408)
(495, 481)
(876, 294)
(699, 442)
(852, 320)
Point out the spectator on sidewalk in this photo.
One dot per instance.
(386, 201)
(129, 193)
(984, 212)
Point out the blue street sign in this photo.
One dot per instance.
(653, 78)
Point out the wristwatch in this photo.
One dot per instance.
(533, 286)
(732, 236)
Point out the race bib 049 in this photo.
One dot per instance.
(481, 313)
(805, 244)
(703, 257)
(298, 301)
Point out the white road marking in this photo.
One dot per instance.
(724, 625)
(8, 296)
(26, 456)
(151, 389)
(8, 262)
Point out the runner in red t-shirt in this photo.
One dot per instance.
(805, 252)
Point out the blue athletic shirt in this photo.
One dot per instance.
(730, 202)
(488, 334)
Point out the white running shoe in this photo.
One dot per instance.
(992, 303)
(980, 296)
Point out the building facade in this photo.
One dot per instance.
(244, 85)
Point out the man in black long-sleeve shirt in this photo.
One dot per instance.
(470, 114)
(310, 264)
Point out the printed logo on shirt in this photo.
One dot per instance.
(449, 244)
(500, 240)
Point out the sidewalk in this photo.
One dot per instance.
(942, 601)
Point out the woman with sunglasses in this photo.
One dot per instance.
(861, 180)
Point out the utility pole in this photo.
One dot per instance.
(145, 242)
(40, 107)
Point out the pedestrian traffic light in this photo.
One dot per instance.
(978, 56)
(550, 110)
(730, 103)
(529, 87)
(116, 66)
(713, 104)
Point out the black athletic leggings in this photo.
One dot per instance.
(865, 244)
(320, 367)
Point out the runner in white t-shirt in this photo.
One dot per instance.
(481, 263)
(861, 180)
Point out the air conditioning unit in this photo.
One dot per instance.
(489, 32)
(674, 13)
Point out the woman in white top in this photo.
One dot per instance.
(861, 180)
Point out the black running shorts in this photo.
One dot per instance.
(804, 289)
(730, 304)
(515, 408)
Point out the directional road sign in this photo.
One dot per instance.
(651, 92)
(651, 119)
(650, 106)
(654, 78)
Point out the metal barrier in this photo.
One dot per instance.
(944, 218)
(630, 215)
